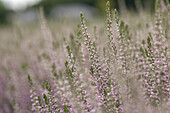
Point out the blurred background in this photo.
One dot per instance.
(25, 11)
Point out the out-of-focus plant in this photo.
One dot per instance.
(3, 14)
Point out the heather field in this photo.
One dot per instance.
(119, 63)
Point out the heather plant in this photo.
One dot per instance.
(101, 76)
(156, 75)
(69, 72)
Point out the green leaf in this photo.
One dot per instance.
(143, 42)
(48, 86)
(29, 80)
(68, 49)
(66, 64)
(54, 71)
(104, 51)
(109, 82)
(66, 109)
(105, 91)
(146, 53)
(46, 99)
(91, 70)
(117, 105)
(122, 24)
(39, 99)
(148, 40)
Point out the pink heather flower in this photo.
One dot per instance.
(165, 68)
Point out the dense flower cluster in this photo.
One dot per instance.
(147, 62)
(73, 75)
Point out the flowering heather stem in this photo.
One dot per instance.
(156, 78)
(95, 68)
(47, 35)
(100, 74)
(125, 56)
(36, 104)
(125, 47)
(112, 50)
(82, 94)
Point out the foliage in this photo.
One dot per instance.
(3, 13)
(130, 75)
